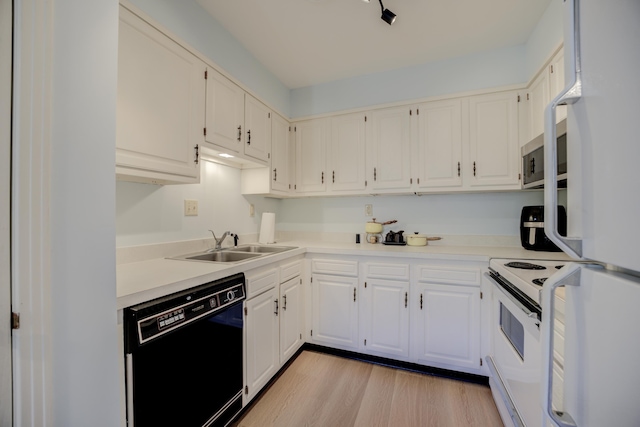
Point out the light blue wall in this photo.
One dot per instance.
(471, 72)
(544, 39)
(189, 21)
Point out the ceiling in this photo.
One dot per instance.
(307, 42)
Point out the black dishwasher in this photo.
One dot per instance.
(183, 355)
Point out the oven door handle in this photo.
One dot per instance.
(567, 276)
(527, 312)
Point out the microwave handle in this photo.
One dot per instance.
(571, 94)
(567, 276)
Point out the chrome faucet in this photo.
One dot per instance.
(221, 239)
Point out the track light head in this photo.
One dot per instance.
(387, 16)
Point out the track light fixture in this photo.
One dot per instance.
(387, 16)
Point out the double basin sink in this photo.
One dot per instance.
(234, 254)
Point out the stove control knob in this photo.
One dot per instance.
(230, 296)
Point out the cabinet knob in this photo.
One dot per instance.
(474, 168)
(458, 168)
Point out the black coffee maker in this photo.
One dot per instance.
(532, 235)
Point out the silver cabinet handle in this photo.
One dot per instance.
(572, 93)
(570, 277)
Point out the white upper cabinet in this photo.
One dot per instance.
(257, 121)
(236, 122)
(493, 141)
(225, 112)
(556, 82)
(439, 144)
(389, 149)
(347, 153)
(547, 85)
(311, 156)
(160, 109)
(538, 98)
(280, 154)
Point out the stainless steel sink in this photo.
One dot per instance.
(261, 249)
(235, 254)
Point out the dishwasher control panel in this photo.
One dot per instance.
(159, 317)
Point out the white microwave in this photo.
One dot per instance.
(533, 159)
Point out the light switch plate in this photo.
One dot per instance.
(190, 208)
(368, 210)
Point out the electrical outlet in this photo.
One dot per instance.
(190, 208)
(368, 210)
(252, 210)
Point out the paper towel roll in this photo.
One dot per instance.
(268, 228)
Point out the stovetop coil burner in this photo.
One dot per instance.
(525, 265)
(539, 282)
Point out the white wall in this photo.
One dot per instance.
(84, 347)
(155, 214)
(450, 214)
(189, 21)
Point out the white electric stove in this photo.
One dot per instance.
(527, 276)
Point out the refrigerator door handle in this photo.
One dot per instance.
(567, 276)
(571, 94)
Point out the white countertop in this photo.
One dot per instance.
(142, 281)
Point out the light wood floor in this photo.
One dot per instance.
(323, 390)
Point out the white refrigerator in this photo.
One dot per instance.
(602, 291)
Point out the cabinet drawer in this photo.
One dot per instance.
(387, 271)
(290, 270)
(340, 268)
(260, 281)
(448, 274)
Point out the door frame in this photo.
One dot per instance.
(6, 376)
(30, 219)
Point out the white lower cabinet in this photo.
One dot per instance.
(446, 329)
(385, 326)
(262, 346)
(335, 311)
(291, 318)
(274, 322)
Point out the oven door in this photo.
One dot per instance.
(515, 361)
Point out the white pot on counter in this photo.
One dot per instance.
(417, 239)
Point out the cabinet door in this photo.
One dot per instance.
(538, 98)
(348, 152)
(257, 121)
(447, 324)
(386, 317)
(224, 112)
(335, 311)
(262, 332)
(279, 154)
(291, 318)
(389, 149)
(493, 140)
(556, 82)
(160, 110)
(440, 144)
(311, 160)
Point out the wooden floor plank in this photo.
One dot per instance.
(327, 391)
